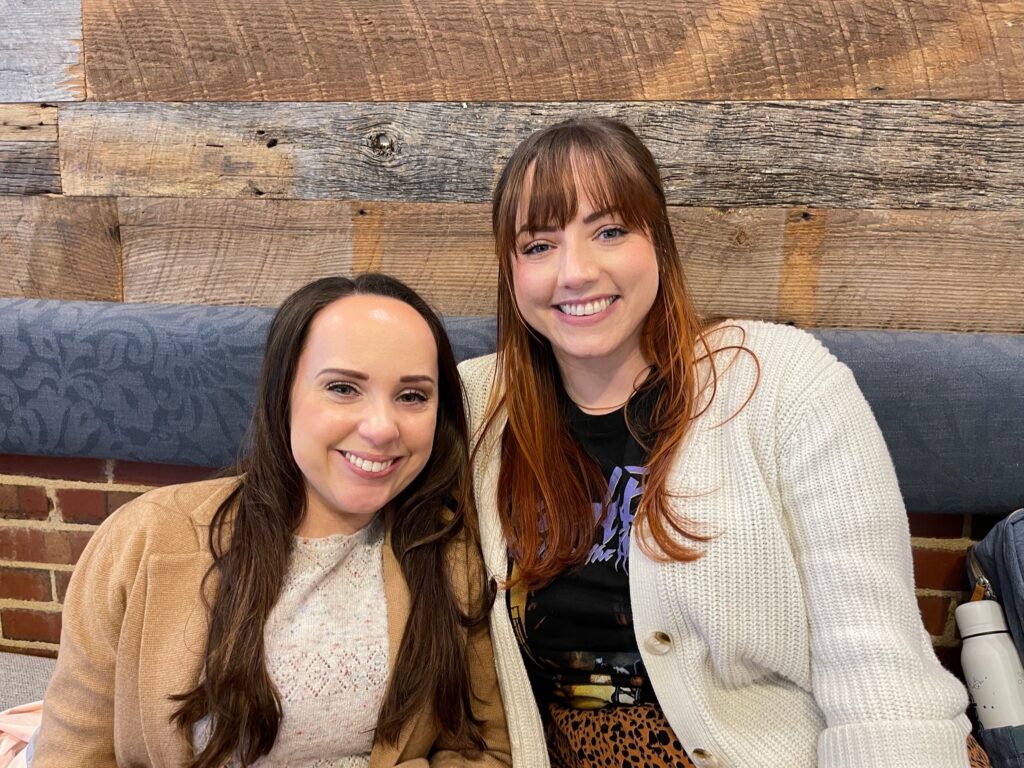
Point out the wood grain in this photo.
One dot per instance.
(40, 51)
(29, 168)
(230, 251)
(553, 50)
(896, 154)
(59, 248)
(929, 270)
(28, 122)
(917, 270)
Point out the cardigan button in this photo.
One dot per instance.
(658, 643)
(703, 759)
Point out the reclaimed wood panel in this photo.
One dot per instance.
(59, 248)
(894, 269)
(230, 251)
(553, 50)
(28, 122)
(929, 270)
(862, 154)
(41, 51)
(29, 168)
(252, 252)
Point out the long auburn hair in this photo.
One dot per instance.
(251, 540)
(543, 468)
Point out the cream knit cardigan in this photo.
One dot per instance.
(795, 641)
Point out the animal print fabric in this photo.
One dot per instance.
(613, 737)
(635, 737)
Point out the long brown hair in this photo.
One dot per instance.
(251, 540)
(543, 467)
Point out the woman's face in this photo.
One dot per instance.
(363, 409)
(586, 288)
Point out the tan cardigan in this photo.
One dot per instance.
(134, 631)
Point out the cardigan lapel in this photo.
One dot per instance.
(396, 593)
(173, 641)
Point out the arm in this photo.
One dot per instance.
(887, 702)
(78, 710)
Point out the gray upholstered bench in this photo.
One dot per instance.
(175, 385)
(23, 678)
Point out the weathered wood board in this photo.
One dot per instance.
(257, 252)
(553, 50)
(59, 248)
(41, 51)
(29, 168)
(28, 122)
(922, 270)
(230, 251)
(934, 270)
(896, 154)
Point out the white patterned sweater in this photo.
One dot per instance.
(327, 652)
(795, 641)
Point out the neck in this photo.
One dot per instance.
(602, 386)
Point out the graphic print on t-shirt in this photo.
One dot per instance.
(588, 606)
(625, 487)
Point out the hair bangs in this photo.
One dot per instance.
(557, 179)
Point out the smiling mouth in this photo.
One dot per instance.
(366, 464)
(585, 308)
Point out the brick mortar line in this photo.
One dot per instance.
(51, 606)
(950, 593)
(34, 564)
(47, 525)
(946, 545)
(36, 645)
(56, 483)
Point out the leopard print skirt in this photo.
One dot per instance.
(634, 737)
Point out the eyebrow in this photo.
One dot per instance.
(411, 379)
(595, 216)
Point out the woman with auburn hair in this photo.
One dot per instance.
(324, 606)
(704, 551)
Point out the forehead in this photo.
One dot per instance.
(377, 335)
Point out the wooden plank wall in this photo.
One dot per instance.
(835, 163)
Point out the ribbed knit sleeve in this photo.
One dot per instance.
(887, 701)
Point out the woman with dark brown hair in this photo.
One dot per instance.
(704, 551)
(324, 606)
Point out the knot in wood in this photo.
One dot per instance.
(383, 145)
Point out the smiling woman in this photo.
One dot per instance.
(363, 409)
(324, 604)
(689, 517)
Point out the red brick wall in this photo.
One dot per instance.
(49, 508)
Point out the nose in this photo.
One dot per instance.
(379, 425)
(579, 265)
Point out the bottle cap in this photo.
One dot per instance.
(979, 617)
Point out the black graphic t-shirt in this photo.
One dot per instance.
(576, 633)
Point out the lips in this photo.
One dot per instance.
(372, 466)
(586, 308)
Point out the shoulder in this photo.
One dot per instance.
(478, 373)
(781, 355)
(478, 379)
(772, 372)
(169, 520)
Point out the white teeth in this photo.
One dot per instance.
(366, 465)
(590, 308)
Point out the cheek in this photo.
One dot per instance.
(528, 289)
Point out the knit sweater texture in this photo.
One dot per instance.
(795, 640)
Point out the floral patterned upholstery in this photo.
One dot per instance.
(175, 384)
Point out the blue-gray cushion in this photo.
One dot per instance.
(175, 384)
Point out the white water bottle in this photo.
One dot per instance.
(992, 668)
